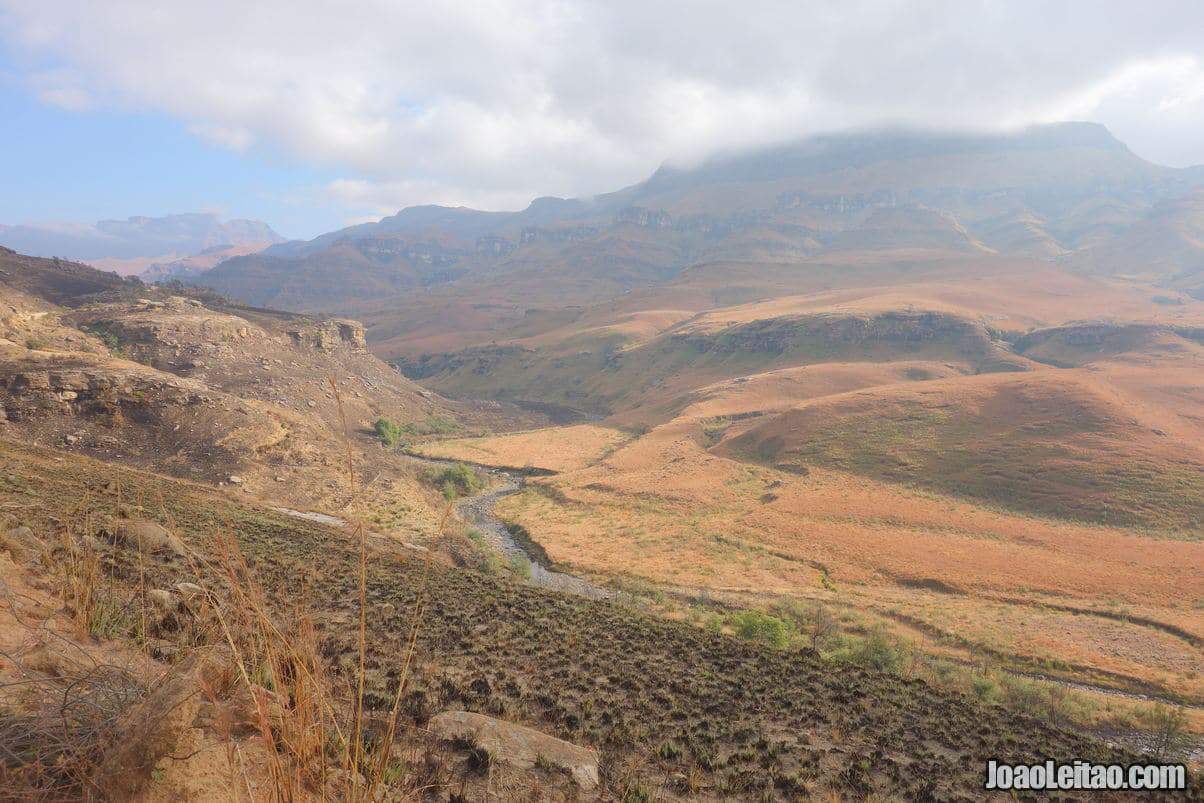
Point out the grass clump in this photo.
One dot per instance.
(520, 566)
(761, 627)
(391, 433)
(455, 480)
(388, 431)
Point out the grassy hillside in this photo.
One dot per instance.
(677, 711)
(1048, 442)
(600, 373)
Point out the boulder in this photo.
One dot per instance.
(517, 745)
(149, 536)
(164, 601)
(22, 544)
(178, 742)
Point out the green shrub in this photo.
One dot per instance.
(761, 627)
(455, 480)
(108, 337)
(434, 425)
(878, 651)
(388, 432)
(392, 433)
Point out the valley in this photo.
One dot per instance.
(885, 444)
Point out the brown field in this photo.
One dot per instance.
(666, 511)
(600, 674)
(1048, 519)
(555, 449)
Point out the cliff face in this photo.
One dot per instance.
(832, 331)
(168, 383)
(331, 335)
(1090, 341)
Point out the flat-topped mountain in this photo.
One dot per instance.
(1042, 192)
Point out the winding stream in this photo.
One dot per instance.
(478, 511)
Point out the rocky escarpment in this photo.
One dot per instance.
(116, 409)
(73, 384)
(855, 336)
(176, 333)
(331, 335)
(1077, 343)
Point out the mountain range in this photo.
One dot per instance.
(883, 450)
(1049, 192)
(133, 245)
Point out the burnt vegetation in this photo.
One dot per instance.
(675, 710)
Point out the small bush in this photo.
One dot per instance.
(1168, 727)
(878, 651)
(761, 627)
(388, 432)
(455, 480)
(814, 621)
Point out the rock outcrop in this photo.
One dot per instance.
(517, 745)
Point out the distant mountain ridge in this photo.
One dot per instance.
(1045, 192)
(129, 245)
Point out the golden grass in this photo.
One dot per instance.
(556, 449)
(664, 509)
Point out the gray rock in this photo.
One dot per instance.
(22, 544)
(517, 745)
(164, 601)
(149, 536)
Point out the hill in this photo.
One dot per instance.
(222, 393)
(1166, 244)
(718, 717)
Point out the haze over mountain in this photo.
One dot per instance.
(1048, 193)
(130, 246)
(830, 426)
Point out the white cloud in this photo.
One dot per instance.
(493, 102)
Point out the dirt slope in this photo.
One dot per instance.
(222, 393)
(676, 711)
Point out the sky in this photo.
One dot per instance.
(315, 114)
